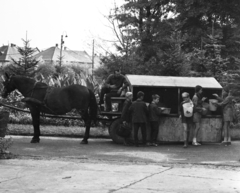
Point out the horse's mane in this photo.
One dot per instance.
(29, 78)
(22, 77)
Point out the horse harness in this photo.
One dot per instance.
(36, 101)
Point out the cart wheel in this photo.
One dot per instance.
(113, 131)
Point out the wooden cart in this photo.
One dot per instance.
(170, 89)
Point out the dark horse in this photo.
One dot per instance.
(39, 97)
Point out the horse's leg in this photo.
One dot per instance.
(36, 124)
(87, 121)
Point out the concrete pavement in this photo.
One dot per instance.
(63, 165)
(51, 176)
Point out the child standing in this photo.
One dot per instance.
(154, 115)
(197, 100)
(125, 117)
(186, 114)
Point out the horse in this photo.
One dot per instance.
(40, 98)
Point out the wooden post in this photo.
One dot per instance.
(179, 97)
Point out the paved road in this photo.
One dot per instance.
(63, 165)
(105, 149)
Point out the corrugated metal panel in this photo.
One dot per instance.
(173, 81)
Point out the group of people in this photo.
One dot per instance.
(138, 114)
(191, 112)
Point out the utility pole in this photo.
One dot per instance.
(62, 42)
(92, 57)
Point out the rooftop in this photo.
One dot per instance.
(172, 81)
(9, 51)
(53, 54)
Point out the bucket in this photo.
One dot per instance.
(212, 107)
(188, 109)
(166, 111)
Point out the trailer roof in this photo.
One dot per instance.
(173, 81)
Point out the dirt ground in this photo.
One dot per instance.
(105, 149)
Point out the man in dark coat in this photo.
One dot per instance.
(139, 114)
(113, 87)
(126, 117)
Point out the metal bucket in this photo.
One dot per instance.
(166, 111)
(212, 107)
(188, 109)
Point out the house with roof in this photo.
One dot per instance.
(51, 56)
(7, 53)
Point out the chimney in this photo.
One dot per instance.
(56, 45)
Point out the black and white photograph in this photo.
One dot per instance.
(120, 96)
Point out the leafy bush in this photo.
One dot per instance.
(46, 70)
(5, 143)
(24, 118)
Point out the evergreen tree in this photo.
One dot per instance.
(27, 65)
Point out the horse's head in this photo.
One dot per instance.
(8, 85)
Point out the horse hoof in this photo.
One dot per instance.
(35, 141)
(84, 142)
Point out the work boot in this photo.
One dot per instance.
(185, 144)
(154, 144)
(125, 142)
(196, 143)
(149, 144)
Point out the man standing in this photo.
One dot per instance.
(197, 116)
(113, 87)
(126, 117)
(139, 113)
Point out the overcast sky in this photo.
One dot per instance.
(46, 20)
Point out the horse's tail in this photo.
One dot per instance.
(93, 106)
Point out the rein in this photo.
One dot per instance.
(34, 87)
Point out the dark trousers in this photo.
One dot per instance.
(143, 130)
(109, 94)
(154, 131)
